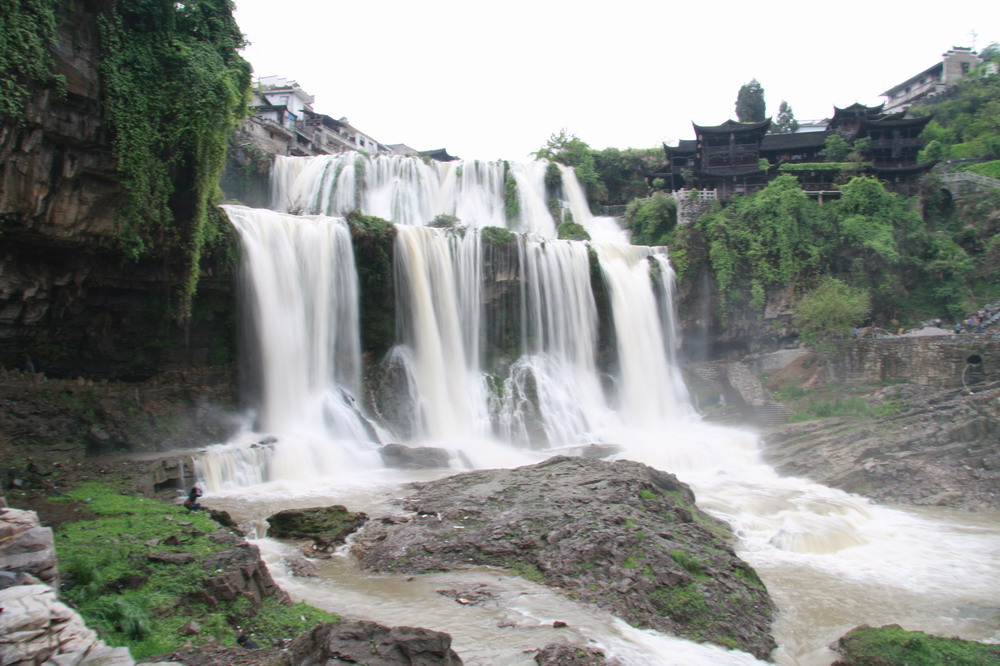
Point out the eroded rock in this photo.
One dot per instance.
(373, 644)
(621, 535)
(239, 572)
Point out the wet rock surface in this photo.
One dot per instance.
(621, 535)
(413, 457)
(573, 655)
(938, 450)
(363, 642)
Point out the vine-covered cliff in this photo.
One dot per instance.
(111, 149)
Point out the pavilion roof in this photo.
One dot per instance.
(731, 126)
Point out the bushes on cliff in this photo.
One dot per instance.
(174, 88)
(772, 238)
(870, 239)
(830, 310)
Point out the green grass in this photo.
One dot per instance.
(690, 563)
(139, 603)
(682, 604)
(527, 571)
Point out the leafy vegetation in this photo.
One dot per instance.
(830, 310)
(496, 236)
(372, 239)
(133, 598)
(966, 120)
(991, 169)
(511, 198)
(691, 563)
(821, 166)
(609, 176)
(785, 123)
(652, 220)
(912, 262)
(27, 28)
(750, 106)
(175, 88)
(762, 241)
(570, 230)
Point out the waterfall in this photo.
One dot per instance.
(512, 345)
(302, 306)
(437, 287)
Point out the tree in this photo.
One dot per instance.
(785, 122)
(750, 107)
(572, 151)
(830, 310)
(836, 148)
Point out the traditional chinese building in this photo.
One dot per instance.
(741, 158)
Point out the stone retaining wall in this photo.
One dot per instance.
(942, 361)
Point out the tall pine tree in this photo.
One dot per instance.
(750, 103)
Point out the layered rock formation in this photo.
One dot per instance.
(35, 627)
(939, 450)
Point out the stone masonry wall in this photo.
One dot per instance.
(938, 361)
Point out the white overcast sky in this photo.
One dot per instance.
(490, 80)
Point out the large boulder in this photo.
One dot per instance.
(363, 642)
(239, 572)
(327, 527)
(26, 546)
(620, 535)
(37, 628)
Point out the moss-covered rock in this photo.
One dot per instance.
(325, 526)
(570, 230)
(892, 645)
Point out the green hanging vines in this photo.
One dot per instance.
(27, 27)
(175, 89)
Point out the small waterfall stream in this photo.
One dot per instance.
(831, 560)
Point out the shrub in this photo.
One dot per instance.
(830, 310)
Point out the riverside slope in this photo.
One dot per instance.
(620, 535)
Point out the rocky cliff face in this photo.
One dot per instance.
(70, 304)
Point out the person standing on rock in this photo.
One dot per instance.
(191, 503)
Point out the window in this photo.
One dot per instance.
(965, 68)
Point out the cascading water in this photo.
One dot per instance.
(536, 372)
